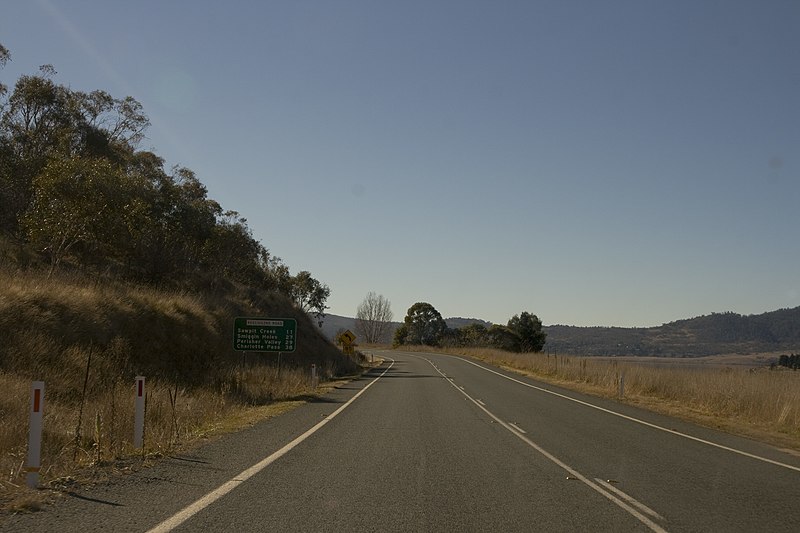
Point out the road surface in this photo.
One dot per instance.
(432, 442)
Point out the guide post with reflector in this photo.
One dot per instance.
(35, 434)
(138, 417)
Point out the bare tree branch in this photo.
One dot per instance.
(373, 318)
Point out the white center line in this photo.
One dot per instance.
(630, 499)
(632, 419)
(513, 425)
(571, 471)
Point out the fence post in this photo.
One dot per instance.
(138, 417)
(622, 383)
(35, 434)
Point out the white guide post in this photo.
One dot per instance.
(35, 434)
(138, 417)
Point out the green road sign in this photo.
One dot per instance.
(251, 334)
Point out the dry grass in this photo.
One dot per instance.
(760, 403)
(51, 330)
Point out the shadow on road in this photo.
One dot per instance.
(392, 373)
(319, 399)
(410, 376)
(188, 460)
(94, 500)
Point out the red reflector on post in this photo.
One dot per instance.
(37, 400)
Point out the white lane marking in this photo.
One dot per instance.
(630, 499)
(192, 509)
(571, 471)
(632, 419)
(513, 425)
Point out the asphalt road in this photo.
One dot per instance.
(438, 443)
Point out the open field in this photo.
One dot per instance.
(748, 361)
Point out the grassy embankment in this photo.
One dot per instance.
(53, 330)
(763, 404)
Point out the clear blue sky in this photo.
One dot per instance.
(621, 163)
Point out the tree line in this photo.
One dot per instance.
(423, 324)
(76, 192)
(789, 361)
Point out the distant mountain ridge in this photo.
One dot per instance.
(712, 334)
(458, 322)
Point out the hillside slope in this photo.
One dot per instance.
(46, 325)
(87, 340)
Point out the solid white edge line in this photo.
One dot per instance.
(630, 499)
(574, 473)
(571, 471)
(192, 509)
(632, 419)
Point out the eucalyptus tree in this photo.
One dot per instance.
(42, 121)
(76, 204)
(310, 295)
(5, 57)
(423, 324)
(529, 329)
(33, 125)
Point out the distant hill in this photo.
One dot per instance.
(458, 322)
(333, 324)
(712, 334)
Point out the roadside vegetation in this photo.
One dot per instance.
(113, 265)
(762, 403)
(87, 341)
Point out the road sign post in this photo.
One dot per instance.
(138, 413)
(252, 334)
(35, 434)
